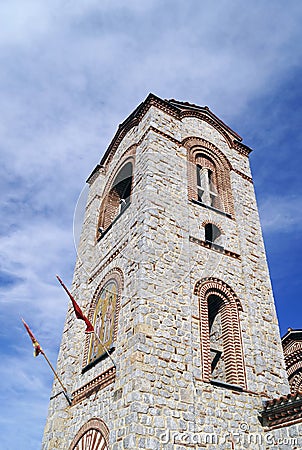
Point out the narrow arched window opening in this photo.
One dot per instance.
(122, 186)
(117, 199)
(215, 305)
(207, 192)
(212, 233)
(206, 188)
(221, 346)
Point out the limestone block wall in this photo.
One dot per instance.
(158, 399)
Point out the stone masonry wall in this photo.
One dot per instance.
(158, 399)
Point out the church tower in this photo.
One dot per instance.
(172, 273)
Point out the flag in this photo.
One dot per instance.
(37, 348)
(78, 312)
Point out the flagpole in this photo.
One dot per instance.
(57, 377)
(37, 351)
(104, 347)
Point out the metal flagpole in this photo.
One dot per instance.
(57, 377)
(37, 351)
(104, 347)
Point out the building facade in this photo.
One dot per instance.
(172, 273)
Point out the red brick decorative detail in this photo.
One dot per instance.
(111, 199)
(93, 386)
(241, 148)
(213, 222)
(200, 151)
(231, 333)
(292, 349)
(94, 435)
(177, 110)
(117, 275)
(213, 246)
(108, 259)
(246, 177)
(161, 133)
(95, 173)
(296, 382)
(205, 114)
(283, 411)
(210, 121)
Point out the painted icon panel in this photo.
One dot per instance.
(104, 321)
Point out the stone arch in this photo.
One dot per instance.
(228, 305)
(114, 275)
(93, 435)
(206, 154)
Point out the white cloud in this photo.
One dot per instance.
(282, 214)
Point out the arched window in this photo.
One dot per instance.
(209, 180)
(94, 435)
(117, 197)
(221, 346)
(207, 184)
(103, 314)
(215, 306)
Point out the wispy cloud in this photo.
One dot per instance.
(281, 214)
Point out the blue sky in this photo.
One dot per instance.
(70, 73)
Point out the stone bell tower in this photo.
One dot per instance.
(172, 273)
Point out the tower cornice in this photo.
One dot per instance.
(179, 110)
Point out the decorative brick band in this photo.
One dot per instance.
(210, 121)
(246, 177)
(108, 260)
(93, 386)
(177, 110)
(295, 364)
(165, 135)
(213, 222)
(241, 148)
(215, 247)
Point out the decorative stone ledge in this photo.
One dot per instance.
(243, 175)
(215, 247)
(197, 202)
(282, 411)
(93, 386)
(108, 258)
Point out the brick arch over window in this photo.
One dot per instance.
(114, 276)
(206, 155)
(215, 297)
(117, 192)
(295, 382)
(94, 435)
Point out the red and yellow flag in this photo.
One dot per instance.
(78, 312)
(37, 347)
